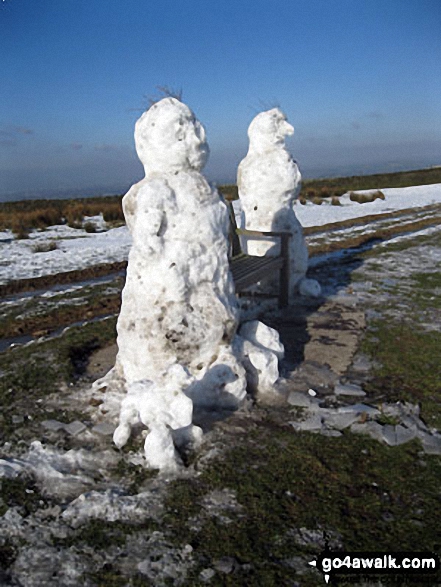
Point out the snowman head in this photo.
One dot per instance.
(268, 130)
(169, 138)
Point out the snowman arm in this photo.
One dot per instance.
(154, 199)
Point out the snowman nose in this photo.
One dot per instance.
(288, 128)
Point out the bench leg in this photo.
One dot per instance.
(284, 273)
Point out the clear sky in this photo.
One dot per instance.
(360, 80)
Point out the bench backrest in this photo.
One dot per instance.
(233, 237)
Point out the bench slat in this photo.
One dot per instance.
(247, 271)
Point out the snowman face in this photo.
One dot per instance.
(269, 129)
(170, 138)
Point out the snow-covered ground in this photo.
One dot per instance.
(396, 199)
(78, 249)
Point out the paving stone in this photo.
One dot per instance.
(373, 429)
(340, 420)
(104, 428)
(75, 428)
(225, 565)
(401, 409)
(54, 425)
(315, 375)
(344, 300)
(413, 423)
(314, 422)
(207, 574)
(349, 389)
(301, 400)
(361, 409)
(389, 435)
(328, 432)
(404, 434)
(431, 443)
(362, 363)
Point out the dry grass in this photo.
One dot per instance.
(229, 192)
(63, 316)
(366, 198)
(22, 217)
(45, 247)
(317, 201)
(340, 185)
(45, 281)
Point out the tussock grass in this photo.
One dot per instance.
(317, 201)
(90, 227)
(21, 217)
(229, 192)
(362, 198)
(45, 247)
(325, 192)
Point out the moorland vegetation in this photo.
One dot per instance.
(23, 216)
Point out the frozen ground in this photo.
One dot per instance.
(77, 249)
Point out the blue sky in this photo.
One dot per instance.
(360, 80)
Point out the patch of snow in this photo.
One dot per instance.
(64, 475)
(112, 506)
(77, 249)
(396, 199)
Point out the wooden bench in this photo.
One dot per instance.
(248, 270)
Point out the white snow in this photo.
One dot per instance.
(76, 249)
(61, 474)
(396, 199)
(260, 349)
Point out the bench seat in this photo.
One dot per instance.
(248, 270)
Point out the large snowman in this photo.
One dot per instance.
(178, 305)
(269, 182)
(177, 342)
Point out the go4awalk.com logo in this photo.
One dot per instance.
(337, 564)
